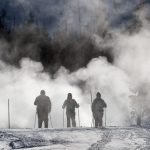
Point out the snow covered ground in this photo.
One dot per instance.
(112, 138)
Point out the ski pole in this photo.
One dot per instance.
(63, 118)
(105, 117)
(50, 120)
(79, 117)
(8, 114)
(35, 120)
(92, 124)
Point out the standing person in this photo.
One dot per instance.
(70, 105)
(97, 108)
(43, 104)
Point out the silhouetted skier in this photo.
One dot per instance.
(70, 105)
(98, 106)
(43, 104)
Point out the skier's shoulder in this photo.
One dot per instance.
(66, 102)
(43, 98)
(38, 98)
(47, 97)
(95, 100)
(103, 101)
(74, 100)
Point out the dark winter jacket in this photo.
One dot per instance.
(98, 105)
(70, 106)
(43, 104)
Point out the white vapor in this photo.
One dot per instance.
(22, 86)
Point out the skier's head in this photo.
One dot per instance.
(42, 92)
(69, 96)
(98, 95)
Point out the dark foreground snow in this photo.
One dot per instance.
(112, 138)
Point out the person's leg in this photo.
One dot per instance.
(139, 121)
(73, 120)
(101, 119)
(46, 120)
(100, 122)
(39, 120)
(95, 115)
(68, 120)
(96, 122)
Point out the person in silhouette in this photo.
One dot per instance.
(70, 105)
(43, 104)
(98, 106)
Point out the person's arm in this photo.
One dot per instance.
(36, 101)
(92, 107)
(76, 104)
(104, 104)
(49, 105)
(64, 105)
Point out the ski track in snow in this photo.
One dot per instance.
(124, 139)
(112, 138)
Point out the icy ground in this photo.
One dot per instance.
(112, 138)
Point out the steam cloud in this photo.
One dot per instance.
(85, 52)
